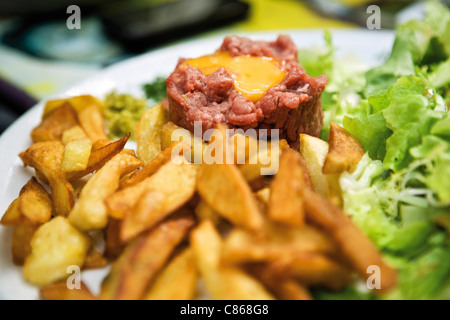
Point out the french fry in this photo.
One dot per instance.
(264, 161)
(60, 291)
(74, 133)
(46, 158)
(55, 246)
(314, 269)
(275, 243)
(89, 212)
(225, 190)
(95, 260)
(91, 120)
(284, 288)
(165, 191)
(204, 212)
(113, 245)
(344, 152)
(55, 123)
(20, 243)
(170, 133)
(354, 245)
(286, 191)
(289, 289)
(33, 206)
(222, 282)
(98, 158)
(244, 147)
(154, 165)
(177, 281)
(263, 195)
(139, 263)
(78, 103)
(314, 151)
(147, 133)
(76, 155)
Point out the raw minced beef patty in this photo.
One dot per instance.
(293, 106)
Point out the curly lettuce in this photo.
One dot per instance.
(399, 195)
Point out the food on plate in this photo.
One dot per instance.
(122, 112)
(314, 151)
(60, 291)
(89, 212)
(171, 132)
(55, 246)
(76, 155)
(46, 158)
(222, 282)
(344, 152)
(32, 207)
(178, 281)
(55, 123)
(285, 203)
(247, 84)
(225, 190)
(162, 194)
(98, 157)
(140, 261)
(147, 132)
(361, 202)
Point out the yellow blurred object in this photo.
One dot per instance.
(287, 14)
(252, 76)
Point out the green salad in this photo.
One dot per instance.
(399, 195)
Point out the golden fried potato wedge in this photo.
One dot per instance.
(76, 155)
(225, 190)
(91, 120)
(89, 212)
(94, 260)
(314, 269)
(171, 133)
(60, 291)
(286, 191)
(56, 122)
(20, 243)
(314, 151)
(289, 289)
(265, 161)
(98, 158)
(148, 133)
(74, 133)
(222, 282)
(113, 245)
(177, 281)
(33, 206)
(166, 191)
(204, 212)
(143, 258)
(344, 152)
(274, 243)
(354, 245)
(55, 246)
(46, 158)
(153, 166)
(283, 287)
(78, 103)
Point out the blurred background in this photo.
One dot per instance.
(41, 56)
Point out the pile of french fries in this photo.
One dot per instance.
(175, 229)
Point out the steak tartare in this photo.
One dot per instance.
(219, 88)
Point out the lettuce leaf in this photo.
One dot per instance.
(399, 195)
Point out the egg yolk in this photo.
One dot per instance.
(252, 76)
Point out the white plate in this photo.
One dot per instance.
(369, 46)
